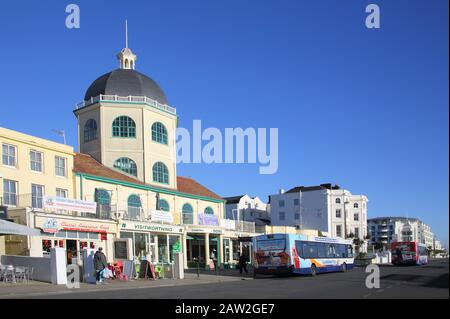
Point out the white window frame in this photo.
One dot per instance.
(37, 197)
(9, 155)
(5, 195)
(57, 158)
(41, 163)
(62, 190)
(339, 234)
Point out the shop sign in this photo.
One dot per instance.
(207, 219)
(53, 225)
(152, 228)
(70, 204)
(204, 230)
(84, 227)
(162, 216)
(198, 230)
(50, 226)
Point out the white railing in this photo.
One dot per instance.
(130, 99)
(245, 226)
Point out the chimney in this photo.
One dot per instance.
(281, 191)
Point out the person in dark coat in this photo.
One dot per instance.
(100, 264)
(398, 251)
(243, 263)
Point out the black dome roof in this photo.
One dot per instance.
(126, 82)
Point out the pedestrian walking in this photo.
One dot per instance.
(214, 258)
(398, 251)
(243, 263)
(100, 265)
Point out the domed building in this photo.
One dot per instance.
(127, 165)
(126, 123)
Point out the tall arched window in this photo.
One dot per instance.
(159, 133)
(103, 200)
(160, 173)
(134, 207)
(355, 205)
(338, 200)
(126, 165)
(124, 126)
(90, 130)
(164, 205)
(188, 214)
(209, 211)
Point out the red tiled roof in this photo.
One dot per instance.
(190, 186)
(85, 164)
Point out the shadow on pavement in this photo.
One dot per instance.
(400, 277)
(226, 272)
(438, 282)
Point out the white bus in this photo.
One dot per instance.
(300, 254)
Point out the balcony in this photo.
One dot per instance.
(128, 99)
(248, 227)
(118, 211)
(36, 203)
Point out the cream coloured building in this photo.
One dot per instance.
(33, 169)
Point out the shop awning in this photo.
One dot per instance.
(10, 228)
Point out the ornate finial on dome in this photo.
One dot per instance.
(126, 57)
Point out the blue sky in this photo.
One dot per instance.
(365, 109)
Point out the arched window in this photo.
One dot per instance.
(131, 64)
(124, 126)
(90, 130)
(126, 165)
(188, 214)
(355, 205)
(164, 205)
(102, 197)
(103, 200)
(134, 207)
(160, 173)
(338, 200)
(209, 211)
(126, 63)
(159, 133)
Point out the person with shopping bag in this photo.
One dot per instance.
(100, 265)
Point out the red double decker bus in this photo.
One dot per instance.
(409, 253)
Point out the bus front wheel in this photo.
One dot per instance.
(313, 270)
